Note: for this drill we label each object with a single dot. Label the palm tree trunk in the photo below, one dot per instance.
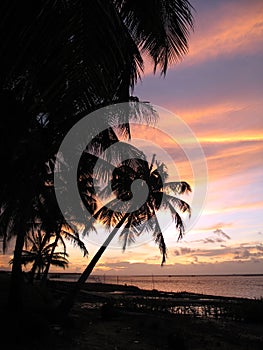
(36, 262)
(15, 297)
(68, 302)
(38, 273)
(44, 277)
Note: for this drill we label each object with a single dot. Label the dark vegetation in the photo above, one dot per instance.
(56, 66)
(125, 317)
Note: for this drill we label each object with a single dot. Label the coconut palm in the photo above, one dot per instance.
(46, 218)
(140, 190)
(40, 248)
(63, 234)
(50, 241)
(41, 254)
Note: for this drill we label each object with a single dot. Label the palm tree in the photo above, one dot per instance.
(140, 190)
(64, 70)
(64, 232)
(47, 220)
(41, 254)
(48, 241)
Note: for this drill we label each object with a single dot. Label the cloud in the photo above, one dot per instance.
(249, 252)
(153, 258)
(215, 253)
(236, 252)
(195, 259)
(192, 259)
(229, 266)
(228, 85)
(218, 235)
(183, 251)
(235, 27)
(236, 207)
(245, 254)
(187, 255)
(216, 226)
(213, 240)
(220, 232)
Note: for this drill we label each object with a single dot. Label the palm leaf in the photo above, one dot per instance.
(127, 234)
(176, 203)
(177, 187)
(178, 221)
(160, 28)
(159, 239)
(75, 239)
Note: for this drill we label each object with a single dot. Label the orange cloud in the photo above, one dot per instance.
(191, 114)
(234, 137)
(231, 161)
(236, 29)
(241, 207)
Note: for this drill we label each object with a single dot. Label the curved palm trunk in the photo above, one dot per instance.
(44, 278)
(68, 302)
(15, 297)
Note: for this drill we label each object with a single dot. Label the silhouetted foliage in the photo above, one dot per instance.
(131, 214)
(57, 64)
(40, 253)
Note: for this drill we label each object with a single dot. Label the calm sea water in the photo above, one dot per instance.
(231, 286)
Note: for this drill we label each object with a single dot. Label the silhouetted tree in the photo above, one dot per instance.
(42, 254)
(57, 64)
(133, 211)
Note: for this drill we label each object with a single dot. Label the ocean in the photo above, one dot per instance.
(242, 286)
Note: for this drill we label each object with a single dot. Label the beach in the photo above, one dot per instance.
(111, 316)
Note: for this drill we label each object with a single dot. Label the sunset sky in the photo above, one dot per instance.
(217, 90)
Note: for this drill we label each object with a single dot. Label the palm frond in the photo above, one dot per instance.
(177, 203)
(110, 214)
(178, 221)
(161, 170)
(26, 258)
(127, 234)
(178, 187)
(160, 28)
(75, 239)
(124, 114)
(60, 260)
(159, 239)
(62, 242)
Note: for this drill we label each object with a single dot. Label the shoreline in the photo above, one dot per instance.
(150, 275)
(196, 305)
(230, 286)
(162, 275)
(101, 287)
(94, 283)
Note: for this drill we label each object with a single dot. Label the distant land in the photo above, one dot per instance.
(149, 275)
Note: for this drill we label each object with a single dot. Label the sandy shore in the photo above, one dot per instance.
(124, 317)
